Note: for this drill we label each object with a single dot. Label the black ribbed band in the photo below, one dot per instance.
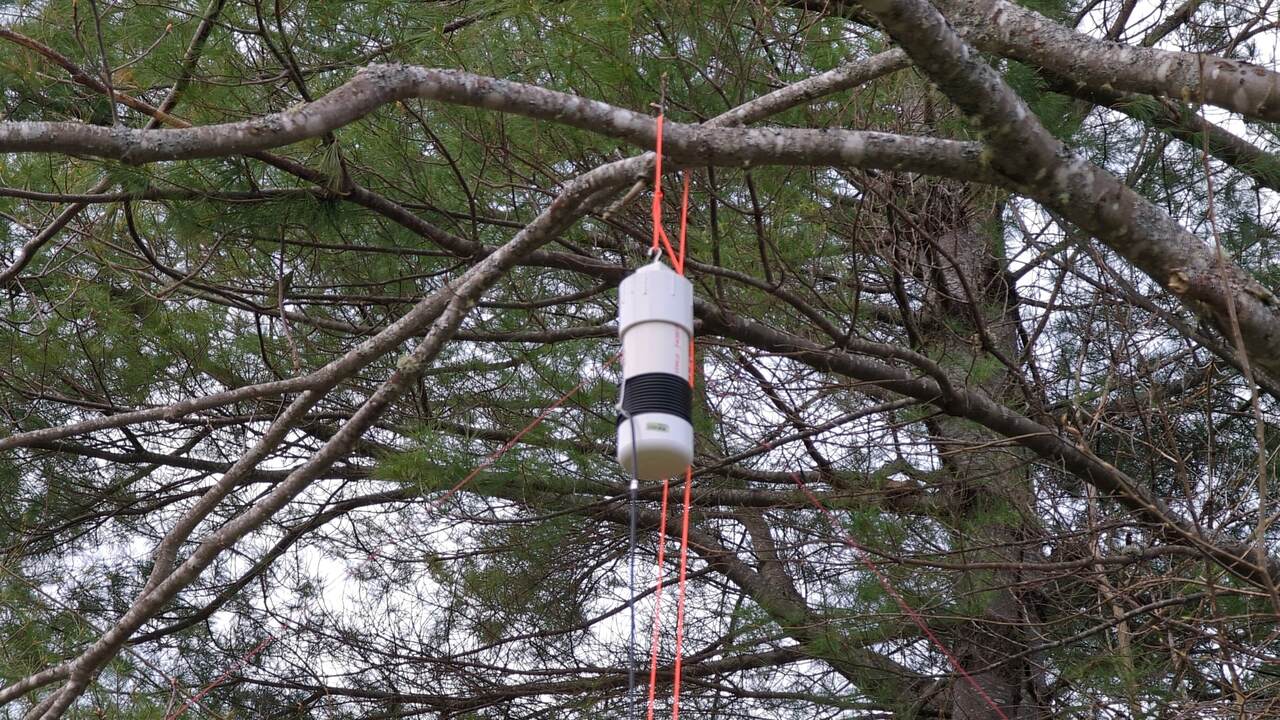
(657, 393)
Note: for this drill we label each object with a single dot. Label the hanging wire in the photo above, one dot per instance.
(633, 493)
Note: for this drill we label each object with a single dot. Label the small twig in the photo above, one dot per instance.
(283, 280)
(1237, 339)
(106, 66)
(626, 200)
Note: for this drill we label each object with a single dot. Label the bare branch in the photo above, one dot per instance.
(1009, 29)
(1088, 196)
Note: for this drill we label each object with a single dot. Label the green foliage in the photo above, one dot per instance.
(533, 585)
(520, 577)
(1060, 10)
(35, 634)
(1060, 115)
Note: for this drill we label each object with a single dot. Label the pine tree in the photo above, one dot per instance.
(286, 284)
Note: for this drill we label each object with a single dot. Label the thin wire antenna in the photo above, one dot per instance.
(633, 493)
(107, 80)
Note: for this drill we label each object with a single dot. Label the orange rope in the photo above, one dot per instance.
(684, 521)
(659, 234)
(657, 600)
(221, 678)
(661, 240)
(684, 565)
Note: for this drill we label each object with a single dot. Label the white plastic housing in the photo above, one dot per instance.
(655, 322)
(664, 445)
(651, 347)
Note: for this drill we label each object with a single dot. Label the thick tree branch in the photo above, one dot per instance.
(1239, 558)
(849, 653)
(606, 682)
(1181, 122)
(378, 85)
(1011, 30)
(840, 78)
(1021, 149)
(458, 298)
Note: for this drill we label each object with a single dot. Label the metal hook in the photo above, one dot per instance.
(655, 256)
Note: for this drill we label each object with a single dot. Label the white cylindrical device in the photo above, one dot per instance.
(655, 322)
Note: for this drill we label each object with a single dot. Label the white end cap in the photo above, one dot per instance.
(655, 293)
(664, 445)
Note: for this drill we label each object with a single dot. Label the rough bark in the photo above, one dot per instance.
(459, 297)
(1008, 29)
(1021, 149)
(378, 85)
